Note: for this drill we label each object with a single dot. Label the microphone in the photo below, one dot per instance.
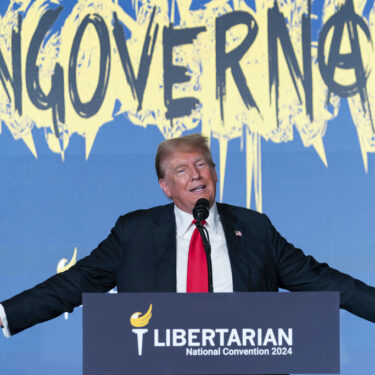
(201, 210)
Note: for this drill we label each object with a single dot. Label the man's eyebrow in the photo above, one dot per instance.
(179, 165)
(184, 163)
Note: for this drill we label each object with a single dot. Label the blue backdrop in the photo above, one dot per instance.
(56, 197)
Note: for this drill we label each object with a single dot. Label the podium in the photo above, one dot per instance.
(211, 333)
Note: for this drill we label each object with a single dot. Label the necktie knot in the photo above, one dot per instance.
(203, 222)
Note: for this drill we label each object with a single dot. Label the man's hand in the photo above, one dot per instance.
(1, 324)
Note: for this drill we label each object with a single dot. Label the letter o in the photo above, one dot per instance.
(91, 107)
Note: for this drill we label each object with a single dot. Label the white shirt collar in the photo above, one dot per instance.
(184, 220)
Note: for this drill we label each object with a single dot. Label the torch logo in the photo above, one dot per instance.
(138, 320)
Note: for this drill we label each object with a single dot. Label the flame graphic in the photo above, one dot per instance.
(139, 320)
(62, 266)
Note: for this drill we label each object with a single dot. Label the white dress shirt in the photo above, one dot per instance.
(4, 319)
(221, 269)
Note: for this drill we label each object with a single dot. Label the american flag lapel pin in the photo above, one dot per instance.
(238, 233)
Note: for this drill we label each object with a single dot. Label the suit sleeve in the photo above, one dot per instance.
(299, 272)
(63, 292)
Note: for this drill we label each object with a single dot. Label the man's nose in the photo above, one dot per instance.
(194, 172)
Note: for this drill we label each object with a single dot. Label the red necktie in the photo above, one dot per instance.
(197, 274)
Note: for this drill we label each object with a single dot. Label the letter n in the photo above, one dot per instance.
(278, 32)
(5, 77)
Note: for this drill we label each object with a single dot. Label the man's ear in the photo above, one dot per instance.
(164, 186)
(215, 174)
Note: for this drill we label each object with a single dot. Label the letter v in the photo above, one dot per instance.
(137, 84)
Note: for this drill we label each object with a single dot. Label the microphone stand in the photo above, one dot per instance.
(207, 248)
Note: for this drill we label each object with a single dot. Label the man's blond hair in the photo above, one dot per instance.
(187, 143)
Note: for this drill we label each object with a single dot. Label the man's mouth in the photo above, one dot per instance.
(197, 189)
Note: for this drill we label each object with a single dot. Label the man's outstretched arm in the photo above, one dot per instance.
(298, 272)
(62, 292)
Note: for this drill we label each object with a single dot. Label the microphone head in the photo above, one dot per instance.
(201, 210)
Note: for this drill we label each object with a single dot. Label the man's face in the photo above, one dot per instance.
(188, 176)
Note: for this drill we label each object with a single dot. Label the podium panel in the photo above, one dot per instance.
(218, 333)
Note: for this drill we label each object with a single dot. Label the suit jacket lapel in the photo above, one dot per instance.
(164, 239)
(235, 243)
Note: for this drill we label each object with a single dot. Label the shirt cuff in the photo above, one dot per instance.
(5, 322)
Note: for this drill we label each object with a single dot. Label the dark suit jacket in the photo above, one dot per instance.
(139, 255)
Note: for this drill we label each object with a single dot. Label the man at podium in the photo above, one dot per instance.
(161, 250)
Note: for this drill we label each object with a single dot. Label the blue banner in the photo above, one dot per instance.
(284, 90)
